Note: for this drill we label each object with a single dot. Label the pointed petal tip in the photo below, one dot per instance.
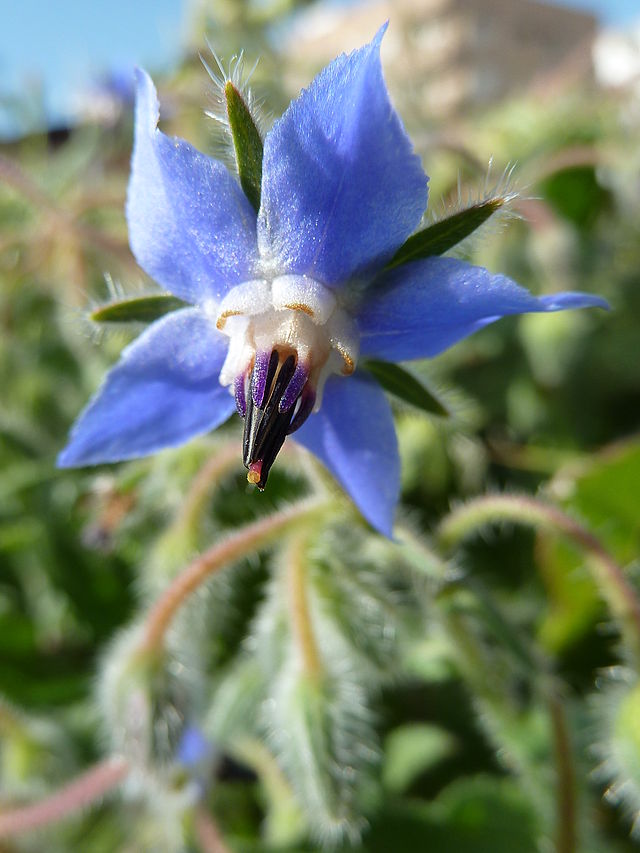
(342, 187)
(422, 308)
(376, 41)
(353, 435)
(139, 74)
(71, 457)
(64, 459)
(178, 199)
(147, 112)
(384, 527)
(573, 299)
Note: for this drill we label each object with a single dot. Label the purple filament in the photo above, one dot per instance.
(240, 395)
(293, 389)
(259, 377)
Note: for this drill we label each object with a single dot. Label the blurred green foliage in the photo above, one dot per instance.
(454, 678)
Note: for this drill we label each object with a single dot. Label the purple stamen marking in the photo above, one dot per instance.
(293, 389)
(240, 395)
(259, 377)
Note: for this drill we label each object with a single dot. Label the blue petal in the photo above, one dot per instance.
(420, 309)
(190, 225)
(163, 391)
(194, 749)
(341, 188)
(354, 436)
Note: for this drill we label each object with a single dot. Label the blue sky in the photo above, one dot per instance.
(615, 12)
(65, 44)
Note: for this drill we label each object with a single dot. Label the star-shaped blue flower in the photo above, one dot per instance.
(287, 300)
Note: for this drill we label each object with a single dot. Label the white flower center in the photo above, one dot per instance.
(292, 314)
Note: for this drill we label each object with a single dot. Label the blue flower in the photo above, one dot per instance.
(286, 301)
(194, 750)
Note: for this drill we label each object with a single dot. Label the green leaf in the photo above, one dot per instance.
(576, 194)
(443, 235)
(413, 749)
(322, 735)
(140, 309)
(372, 611)
(603, 490)
(247, 143)
(480, 814)
(404, 385)
(232, 716)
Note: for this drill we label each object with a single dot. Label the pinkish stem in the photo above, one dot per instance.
(76, 795)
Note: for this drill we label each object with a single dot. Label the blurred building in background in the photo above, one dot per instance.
(617, 58)
(445, 57)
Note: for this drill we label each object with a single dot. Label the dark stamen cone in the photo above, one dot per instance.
(266, 426)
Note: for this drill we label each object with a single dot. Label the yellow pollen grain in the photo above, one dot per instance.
(300, 306)
(222, 319)
(349, 365)
(253, 477)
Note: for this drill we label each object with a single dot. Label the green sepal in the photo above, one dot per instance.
(404, 385)
(247, 144)
(140, 309)
(443, 235)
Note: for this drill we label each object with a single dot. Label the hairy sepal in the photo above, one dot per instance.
(247, 143)
(406, 386)
(440, 236)
(139, 309)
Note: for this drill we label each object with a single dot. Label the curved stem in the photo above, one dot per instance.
(81, 792)
(614, 586)
(301, 621)
(566, 784)
(207, 832)
(215, 468)
(476, 674)
(238, 544)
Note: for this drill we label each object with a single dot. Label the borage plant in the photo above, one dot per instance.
(298, 274)
(295, 287)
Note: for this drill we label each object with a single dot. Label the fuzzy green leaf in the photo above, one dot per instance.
(371, 610)
(441, 236)
(247, 144)
(404, 385)
(322, 735)
(232, 716)
(140, 309)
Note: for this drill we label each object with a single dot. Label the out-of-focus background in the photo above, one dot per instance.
(540, 98)
(54, 57)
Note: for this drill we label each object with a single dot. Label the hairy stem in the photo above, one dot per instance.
(238, 544)
(474, 668)
(215, 468)
(207, 832)
(81, 792)
(566, 840)
(256, 755)
(301, 621)
(614, 586)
